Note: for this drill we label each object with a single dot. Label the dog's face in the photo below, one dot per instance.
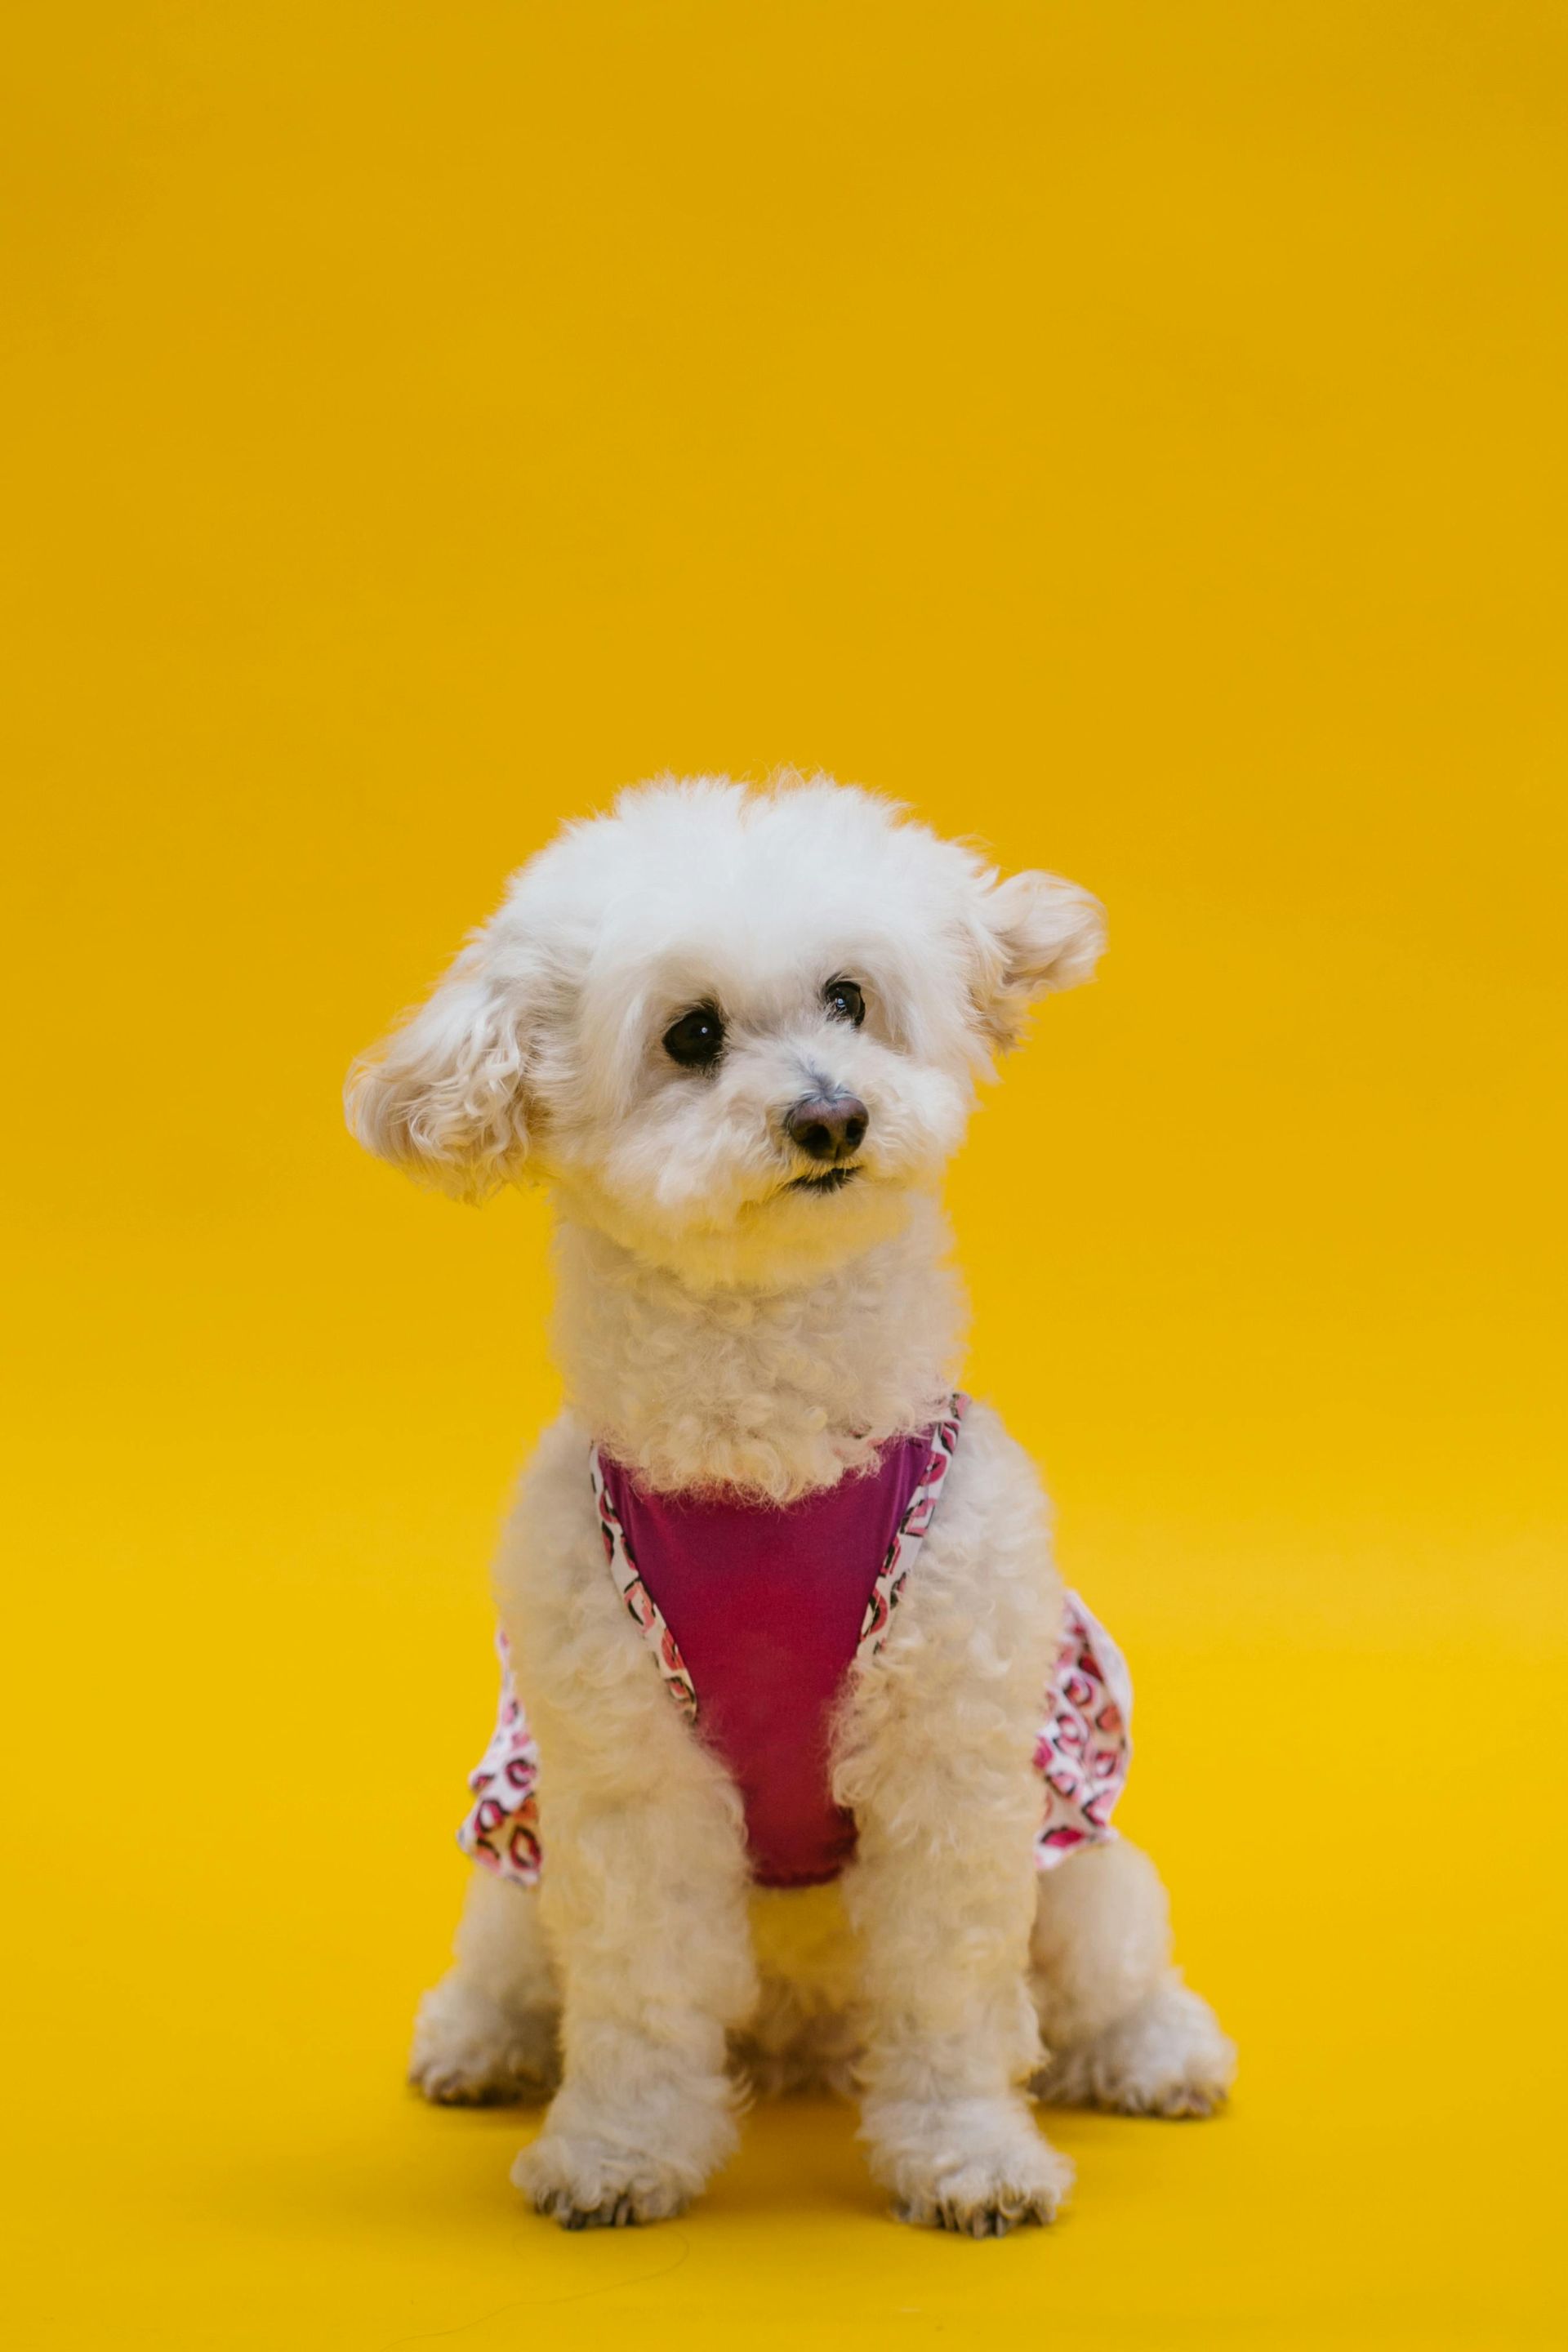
(734, 1029)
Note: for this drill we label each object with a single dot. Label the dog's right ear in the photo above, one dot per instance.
(1041, 934)
(442, 1097)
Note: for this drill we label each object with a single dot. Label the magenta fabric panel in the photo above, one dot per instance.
(766, 1604)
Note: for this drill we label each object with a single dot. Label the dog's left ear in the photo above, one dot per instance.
(1039, 934)
(445, 1095)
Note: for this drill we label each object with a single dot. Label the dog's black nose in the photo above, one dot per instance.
(828, 1127)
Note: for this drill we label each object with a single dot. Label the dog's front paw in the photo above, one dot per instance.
(978, 2166)
(585, 2184)
(469, 2052)
(1166, 2057)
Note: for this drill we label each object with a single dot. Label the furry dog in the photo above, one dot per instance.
(737, 1033)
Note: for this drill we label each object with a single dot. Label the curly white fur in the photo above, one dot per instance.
(720, 1323)
(773, 1390)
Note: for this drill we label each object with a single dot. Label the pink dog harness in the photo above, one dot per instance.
(755, 1613)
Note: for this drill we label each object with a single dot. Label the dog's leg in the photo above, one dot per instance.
(485, 2034)
(645, 1896)
(1124, 2031)
(951, 2036)
(934, 1758)
(644, 1880)
(950, 2032)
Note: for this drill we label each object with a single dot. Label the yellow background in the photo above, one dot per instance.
(1129, 432)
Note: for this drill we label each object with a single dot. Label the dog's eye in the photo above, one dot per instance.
(844, 1001)
(697, 1039)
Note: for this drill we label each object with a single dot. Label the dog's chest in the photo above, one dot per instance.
(760, 1611)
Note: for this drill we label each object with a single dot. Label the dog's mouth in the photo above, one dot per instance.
(831, 1180)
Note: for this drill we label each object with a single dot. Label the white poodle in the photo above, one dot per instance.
(805, 1773)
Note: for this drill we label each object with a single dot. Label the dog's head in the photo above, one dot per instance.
(735, 1029)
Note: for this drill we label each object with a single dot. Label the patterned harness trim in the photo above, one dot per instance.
(1081, 1753)
(645, 1612)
